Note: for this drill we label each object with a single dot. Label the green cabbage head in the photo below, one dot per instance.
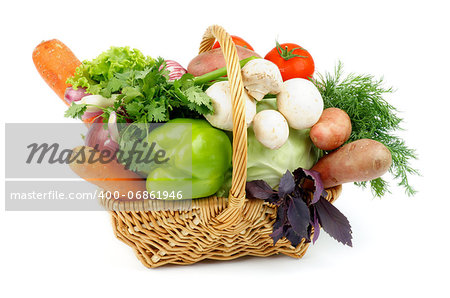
(269, 165)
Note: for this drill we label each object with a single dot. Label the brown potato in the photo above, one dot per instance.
(212, 60)
(361, 160)
(332, 130)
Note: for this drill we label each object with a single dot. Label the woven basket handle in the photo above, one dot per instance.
(237, 192)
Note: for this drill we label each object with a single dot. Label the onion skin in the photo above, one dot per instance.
(96, 135)
(99, 138)
(96, 102)
(71, 95)
(90, 115)
(112, 126)
(176, 71)
(111, 145)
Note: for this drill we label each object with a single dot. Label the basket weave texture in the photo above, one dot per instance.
(211, 228)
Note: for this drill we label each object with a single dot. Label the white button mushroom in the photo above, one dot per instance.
(261, 77)
(300, 103)
(222, 118)
(271, 129)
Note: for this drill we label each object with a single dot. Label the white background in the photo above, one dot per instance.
(400, 244)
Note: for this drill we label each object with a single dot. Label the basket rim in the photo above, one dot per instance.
(148, 205)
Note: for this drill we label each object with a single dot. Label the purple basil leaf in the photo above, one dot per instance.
(298, 193)
(258, 189)
(293, 237)
(281, 217)
(316, 226)
(277, 234)
(315, 176)
(309, 233)
(274, 199)
(280, 224)
(334, 222)
(299, 174)
(287, 185)
(299, 216)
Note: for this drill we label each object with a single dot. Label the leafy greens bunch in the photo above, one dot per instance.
(361, 96)
(298, 212)
(144, 92)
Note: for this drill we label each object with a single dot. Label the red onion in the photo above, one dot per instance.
(89, 115)
(112, 126)
(98, 137)
(72, 95)
(111, 145)
(175, 69)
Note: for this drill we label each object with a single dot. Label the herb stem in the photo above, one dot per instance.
(216, 74)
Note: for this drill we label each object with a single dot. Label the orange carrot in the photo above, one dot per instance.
(55, 62)
(110, 176)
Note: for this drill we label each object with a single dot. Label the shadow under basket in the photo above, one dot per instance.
(217, 228)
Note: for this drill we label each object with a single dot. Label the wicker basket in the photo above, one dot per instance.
(210, 228)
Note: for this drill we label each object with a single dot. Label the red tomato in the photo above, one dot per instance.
(292, 60)
(237, 41)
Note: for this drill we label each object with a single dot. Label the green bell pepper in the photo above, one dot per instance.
(199, 157)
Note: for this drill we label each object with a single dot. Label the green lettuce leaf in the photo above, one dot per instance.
(98, 74)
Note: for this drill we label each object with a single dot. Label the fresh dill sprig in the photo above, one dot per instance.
(372, 117)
